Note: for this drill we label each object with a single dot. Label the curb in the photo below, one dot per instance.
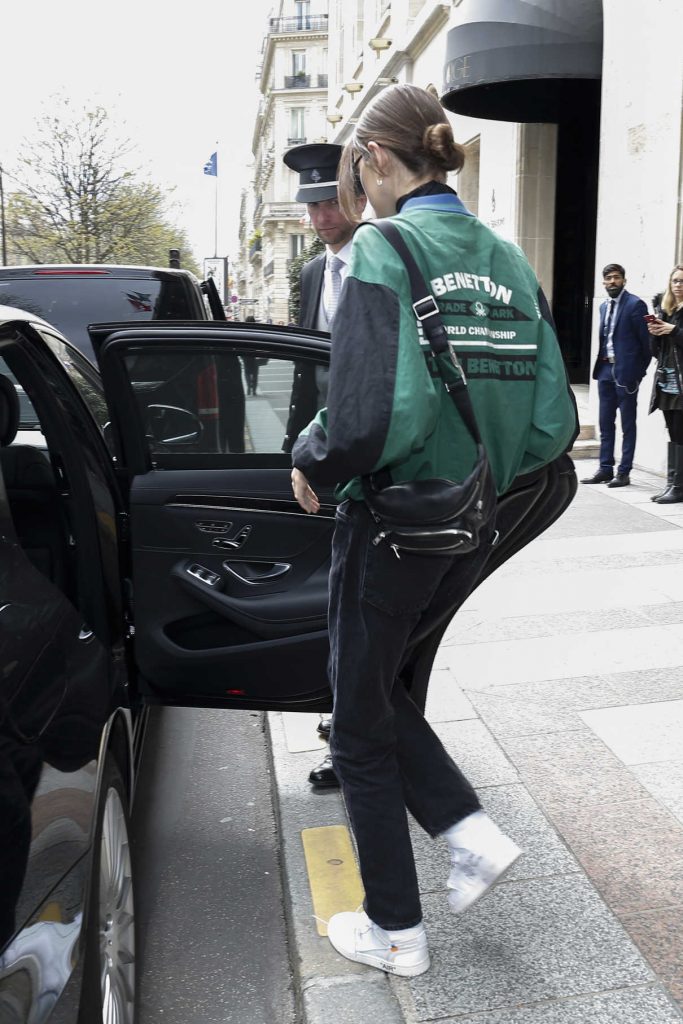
(327, 987)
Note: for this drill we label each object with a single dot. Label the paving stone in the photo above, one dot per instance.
(640, 733)
(638, 685)
(526, 942)
(518, 816)
(659, 937)
(631, 1006)
(632, 850)
(545, 706)
(446, 702)
(476, 753)
(665, 782)
(471, 627)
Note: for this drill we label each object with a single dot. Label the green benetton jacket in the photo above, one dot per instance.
(386, 409)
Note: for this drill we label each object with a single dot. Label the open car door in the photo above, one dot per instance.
(229, 575)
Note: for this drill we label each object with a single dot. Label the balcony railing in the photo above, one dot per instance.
(297, 81)
(291, 141)
(254, 248)
(304, 23)
(322, 81)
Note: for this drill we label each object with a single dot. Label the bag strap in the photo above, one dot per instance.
(427, 312)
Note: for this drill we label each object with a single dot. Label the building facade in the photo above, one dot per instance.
(292, 111)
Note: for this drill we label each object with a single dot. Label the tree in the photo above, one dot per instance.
(295, 267)
(77, 203)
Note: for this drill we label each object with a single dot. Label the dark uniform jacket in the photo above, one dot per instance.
(304, 400)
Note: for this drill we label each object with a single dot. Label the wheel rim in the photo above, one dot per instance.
(116, 916)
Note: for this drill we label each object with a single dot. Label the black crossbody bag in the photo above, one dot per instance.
(436, 516)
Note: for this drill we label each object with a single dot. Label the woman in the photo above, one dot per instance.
(387, 412)
(667, 392)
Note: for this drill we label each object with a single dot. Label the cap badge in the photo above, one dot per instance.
(315, 175)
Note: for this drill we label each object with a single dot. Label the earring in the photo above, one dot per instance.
(380, 181)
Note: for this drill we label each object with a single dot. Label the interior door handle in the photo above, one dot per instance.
(257, 572)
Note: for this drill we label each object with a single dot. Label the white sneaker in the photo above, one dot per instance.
(403, 952)
(480, 856)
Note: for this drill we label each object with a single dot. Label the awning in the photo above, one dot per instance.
(523, 60)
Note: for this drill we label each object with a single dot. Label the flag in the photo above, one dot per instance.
(211, 165)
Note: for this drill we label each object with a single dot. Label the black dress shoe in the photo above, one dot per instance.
(324, 776)
(324, 726)
(603, 476)
(620, 480)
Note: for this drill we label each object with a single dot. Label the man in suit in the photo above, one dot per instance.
(321, 281)
(621, 364)
(323, 276)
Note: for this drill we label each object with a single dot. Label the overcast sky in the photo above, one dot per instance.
(175, 79)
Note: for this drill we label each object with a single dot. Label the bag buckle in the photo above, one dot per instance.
(430, 306)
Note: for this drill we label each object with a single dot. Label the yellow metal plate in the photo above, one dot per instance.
(332, 872)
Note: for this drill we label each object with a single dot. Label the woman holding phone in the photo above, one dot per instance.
(667, 394)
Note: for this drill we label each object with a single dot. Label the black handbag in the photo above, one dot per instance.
(436, 516)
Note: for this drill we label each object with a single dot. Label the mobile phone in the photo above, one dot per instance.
(650, 319)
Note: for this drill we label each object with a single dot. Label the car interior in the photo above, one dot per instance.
(33, 495)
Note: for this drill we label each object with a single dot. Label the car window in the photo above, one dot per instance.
(223, 403)
(71, 303)
(83, 374)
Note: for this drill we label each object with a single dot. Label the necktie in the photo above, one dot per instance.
(334, 264)
(609, 347)
(608, 318)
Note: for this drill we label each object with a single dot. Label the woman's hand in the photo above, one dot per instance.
(659, 328)
(304, 493)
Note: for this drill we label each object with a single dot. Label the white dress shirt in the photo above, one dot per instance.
(344, 255)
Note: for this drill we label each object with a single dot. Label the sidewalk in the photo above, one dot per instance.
(559, 690)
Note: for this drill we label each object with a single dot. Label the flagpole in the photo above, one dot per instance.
(215, 217)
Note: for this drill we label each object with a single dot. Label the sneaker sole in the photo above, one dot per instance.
(474, 896)
(383, 965)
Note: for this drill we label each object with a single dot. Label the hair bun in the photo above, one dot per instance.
(439, 143)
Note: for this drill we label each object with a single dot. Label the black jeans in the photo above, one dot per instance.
(386, 755)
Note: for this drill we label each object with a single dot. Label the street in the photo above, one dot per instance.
(212, 938)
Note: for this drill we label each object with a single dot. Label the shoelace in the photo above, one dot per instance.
(464, 860)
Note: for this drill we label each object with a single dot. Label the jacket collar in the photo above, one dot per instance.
(448, 202)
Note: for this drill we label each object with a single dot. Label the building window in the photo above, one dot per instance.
(298, 62)
(303, 13)
(296, 245)
(297, 126)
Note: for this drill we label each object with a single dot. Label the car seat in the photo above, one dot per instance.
(33, 496)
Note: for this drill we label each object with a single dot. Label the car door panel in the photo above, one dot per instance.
(226, 627)
(229, 574)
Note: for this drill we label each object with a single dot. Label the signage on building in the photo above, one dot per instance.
(217, 268)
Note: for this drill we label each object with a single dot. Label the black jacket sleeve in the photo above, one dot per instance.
(364, 358)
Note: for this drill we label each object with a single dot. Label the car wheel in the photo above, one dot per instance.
(109, 969)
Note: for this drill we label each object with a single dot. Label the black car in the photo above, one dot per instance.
(73, 296)
(140, 565)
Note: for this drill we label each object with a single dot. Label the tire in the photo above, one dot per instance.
(109, 972)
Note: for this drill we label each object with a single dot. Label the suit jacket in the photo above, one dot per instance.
(631, 340)
(304, 400)
(312, 274)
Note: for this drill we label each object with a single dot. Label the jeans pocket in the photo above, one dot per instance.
(401, 586)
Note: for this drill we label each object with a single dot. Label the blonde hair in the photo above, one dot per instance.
(669, 303)
(411, 123)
